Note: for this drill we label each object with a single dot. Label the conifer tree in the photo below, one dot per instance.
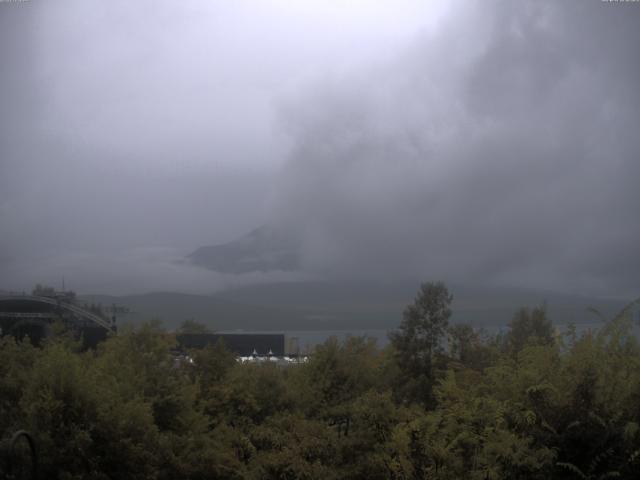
(419, 339)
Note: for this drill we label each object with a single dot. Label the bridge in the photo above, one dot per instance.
(54, 307)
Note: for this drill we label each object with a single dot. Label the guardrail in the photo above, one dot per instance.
(58, 303)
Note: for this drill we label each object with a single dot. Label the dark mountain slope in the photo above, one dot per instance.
(263, 249)
(335, 306)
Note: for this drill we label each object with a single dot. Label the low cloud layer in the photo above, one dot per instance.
(484, 142)
(503, 149)
(129, 271)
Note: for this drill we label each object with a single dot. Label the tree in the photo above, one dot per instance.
(529, 327)
(419, 338)
(462, 338)
(339, 372)
(193, 326)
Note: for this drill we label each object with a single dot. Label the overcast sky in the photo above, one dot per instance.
(482, 142)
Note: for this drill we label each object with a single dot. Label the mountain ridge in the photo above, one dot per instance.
(342, 306)
(263, 249)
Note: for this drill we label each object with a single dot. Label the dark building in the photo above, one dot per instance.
(242, 344)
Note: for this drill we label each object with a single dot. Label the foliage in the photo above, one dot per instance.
(193, 326)
(419, 339)
(529, 327)
(529, 406)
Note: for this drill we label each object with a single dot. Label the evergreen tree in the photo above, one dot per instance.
(529, 327)
(419, 339)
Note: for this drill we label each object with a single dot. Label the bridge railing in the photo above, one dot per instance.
(65, 305)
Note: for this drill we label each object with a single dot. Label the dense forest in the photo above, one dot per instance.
(441, 401)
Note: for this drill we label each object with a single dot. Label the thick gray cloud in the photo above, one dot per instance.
(150, 126)
(501, 149)
(491, 142)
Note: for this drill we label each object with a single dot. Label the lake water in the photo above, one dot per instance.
(307, 339)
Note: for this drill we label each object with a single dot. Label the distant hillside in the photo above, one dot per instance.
(380, 305)
(337, 306)
(263, 249)
(327, 305)
(173, 308)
